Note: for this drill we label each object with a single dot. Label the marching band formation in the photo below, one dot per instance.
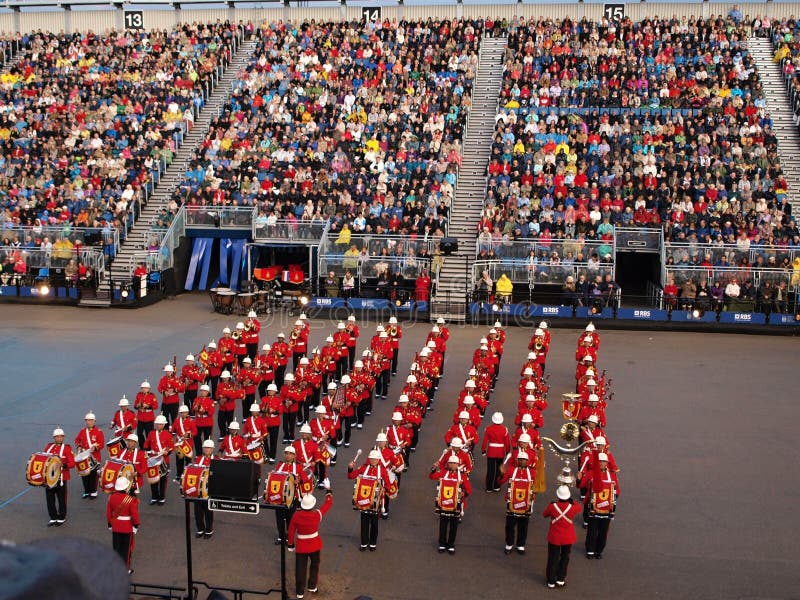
(313, 408)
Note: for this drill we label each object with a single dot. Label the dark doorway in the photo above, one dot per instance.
(634, 271)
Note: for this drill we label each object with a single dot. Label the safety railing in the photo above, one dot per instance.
(36, 264)
(570, 249)
(219, 217)
(107, 238)
(288, 231)
(638, 239)
(757, 255)
(379, 244)
(532, 273)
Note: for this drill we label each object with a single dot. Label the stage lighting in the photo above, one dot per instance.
(303, 300)
(697, 313)
(44, 289)
(124, 293)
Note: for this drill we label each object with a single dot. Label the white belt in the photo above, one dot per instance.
(496, 445)
(308, 536)
(123, 518)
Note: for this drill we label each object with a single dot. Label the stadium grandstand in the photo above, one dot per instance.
(456, 160)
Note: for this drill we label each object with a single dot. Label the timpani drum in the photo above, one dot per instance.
(226, 298)
(43, 469)
(245, 302)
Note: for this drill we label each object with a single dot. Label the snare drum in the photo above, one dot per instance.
(367, 493)
(280, 490)
(194, 482)
(255, 452)
(85, 463)
(184, 449)
(448, 497)
(394, 486)
(115, 446)
(520, 497)
(156, 469)
(43, 469)
(113, 469)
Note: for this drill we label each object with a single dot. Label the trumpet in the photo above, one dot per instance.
(393, 331)
(249, 325)
(538, 345)
(236, 335)
(294, 335)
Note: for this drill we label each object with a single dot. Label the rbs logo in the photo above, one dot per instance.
(550, 310)
(323, 301)
(742, 317)
(641, 314)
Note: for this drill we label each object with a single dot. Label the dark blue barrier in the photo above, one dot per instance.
(8, 290)
(585, 312)
(778, 319)
(507, 310)
(368, 303)
(410, 305)
(743, 317)
(685, 316)
(550, 311)
(326, 303)
(642, 314)
(74, 293)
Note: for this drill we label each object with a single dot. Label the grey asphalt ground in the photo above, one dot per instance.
(703, 427)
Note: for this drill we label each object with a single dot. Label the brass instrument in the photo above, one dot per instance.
(393, 331)
(538, 346)
(294, 335)
(249, 325)
(236, 335)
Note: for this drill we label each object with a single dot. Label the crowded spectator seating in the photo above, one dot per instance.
(343, 125)
(785, 36)
(648, 124)
(88, 122)
(62, 266)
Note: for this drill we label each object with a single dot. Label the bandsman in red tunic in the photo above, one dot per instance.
(602, 491)
(272, 407)
(496, 444)
(448, 522)
(456, 448)
(252, 328)
(170, 388)
(146, 405)
(304, 527)
(373, 469)
(137, 457)
(519, 478)
(159, 442)
(123, 421)
(184, 429)
(192, 377)
(249, 378)
(90, 438)
(560, 535)
(122, 516)
(232, 446)
(56, 496)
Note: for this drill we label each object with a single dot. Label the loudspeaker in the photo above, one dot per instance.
(448, 245)
(234, 480)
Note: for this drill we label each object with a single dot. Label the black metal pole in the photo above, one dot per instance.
(189, 578)
(284, 593)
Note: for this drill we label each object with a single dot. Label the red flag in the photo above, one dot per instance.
(294, 276)
(267, 273)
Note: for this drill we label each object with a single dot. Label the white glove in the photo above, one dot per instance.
(135, 530)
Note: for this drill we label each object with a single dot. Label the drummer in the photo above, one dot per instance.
(289, 465)
(90, 439)
(233, 446)
(393, 462)
(183, 428)
(369, 518)
(204, 516)
(132, 454)
(159, 443)
(57, 495)
(255, 426)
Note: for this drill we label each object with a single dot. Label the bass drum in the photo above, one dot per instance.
(194, 482)
(280, 490)
(112, 470)
(367, 493)
(43, 469)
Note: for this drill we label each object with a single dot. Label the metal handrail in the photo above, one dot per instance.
(224, 217)
(109, 238)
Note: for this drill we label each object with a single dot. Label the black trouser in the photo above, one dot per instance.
(557, 562)
(369, 528)
(351, 354)
(382, 384)
(203, 517)
(395, 354)
(262, 388)
(272, 441)
(492, 473)
(122, 546)
(596, 534)
(347, 423)
(415, 436)
(224, 417)
(171, 412)
(321, 471)
(289, 421)
(143, 429)
(280, 371)
(252, 350)
(90, 482)
(249, 399)
(282, 519)
(301, 568)
(305, 409)
(57, 501)
(448, 528)
(341, 367)
(158, 490)
(520, 524)
(180, 465)
(203, 434)
(361, 411)
(190, 395)
(296, 356)
(213, 382)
